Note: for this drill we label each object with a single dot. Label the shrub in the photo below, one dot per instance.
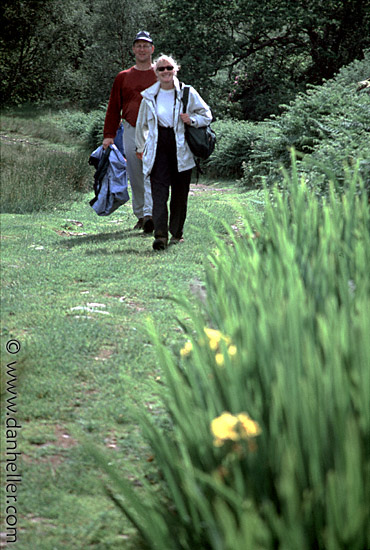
(328, 126)
(270, 438)
(234, 142)
(75, 123)
(233, 147)
(94, 134)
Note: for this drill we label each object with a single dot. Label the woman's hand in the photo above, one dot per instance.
(185, 118)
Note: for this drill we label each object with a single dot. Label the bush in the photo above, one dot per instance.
(233, 147)
(94, 134)
(270, 439)
(329, 128)
(75, 123)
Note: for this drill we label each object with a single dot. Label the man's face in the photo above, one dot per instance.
(143, 51)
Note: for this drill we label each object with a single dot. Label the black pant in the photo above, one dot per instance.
(164, 176)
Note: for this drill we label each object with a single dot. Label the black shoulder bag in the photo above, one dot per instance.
(200, 140)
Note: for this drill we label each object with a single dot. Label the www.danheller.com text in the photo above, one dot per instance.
(12, 426)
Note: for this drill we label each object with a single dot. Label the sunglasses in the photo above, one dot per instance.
(168, 67)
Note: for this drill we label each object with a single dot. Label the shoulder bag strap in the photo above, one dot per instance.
(185, 98)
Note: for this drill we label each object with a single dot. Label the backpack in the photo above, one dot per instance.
(201, 140)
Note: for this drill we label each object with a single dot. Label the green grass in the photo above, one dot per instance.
(291, 304)
(89, 370)
(43, 159)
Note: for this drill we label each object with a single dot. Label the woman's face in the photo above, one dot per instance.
(165, 72)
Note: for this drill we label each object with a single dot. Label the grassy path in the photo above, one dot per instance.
(77, 291)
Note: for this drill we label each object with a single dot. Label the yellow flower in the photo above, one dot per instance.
(212, 333)
(228, 427)
(223, 428)
(232, 350)
(215, 337)
(187, 349)
(220, 360)
(250, 428)
(213, 344)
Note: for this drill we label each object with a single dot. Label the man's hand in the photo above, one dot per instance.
(139, 155)
(107, 142)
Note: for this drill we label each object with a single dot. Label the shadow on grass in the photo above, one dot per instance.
(71, 241)
(121, 251)
(99, 238)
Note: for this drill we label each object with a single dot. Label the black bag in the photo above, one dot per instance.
(201, 140)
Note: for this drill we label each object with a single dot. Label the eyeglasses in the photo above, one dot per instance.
(142, 46)
(167, 67)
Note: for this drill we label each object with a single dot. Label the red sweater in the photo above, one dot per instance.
(125, 98)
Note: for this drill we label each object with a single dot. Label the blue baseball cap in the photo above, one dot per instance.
(143, 35)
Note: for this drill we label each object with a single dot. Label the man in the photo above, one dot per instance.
(124, 103)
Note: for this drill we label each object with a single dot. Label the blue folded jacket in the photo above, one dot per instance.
(110, 185)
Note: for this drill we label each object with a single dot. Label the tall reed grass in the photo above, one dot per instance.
(34, 178)
(268, 440)
(44, 157)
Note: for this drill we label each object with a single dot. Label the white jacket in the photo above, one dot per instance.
(147, 125)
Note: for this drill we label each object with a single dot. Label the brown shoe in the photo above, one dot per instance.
(173, 240)
(160, 243)
(139, 224)
(148, 224)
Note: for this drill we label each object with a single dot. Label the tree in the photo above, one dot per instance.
(66, 50)
(275, 47)
(113, 27)
(39, 41)
(246, 57)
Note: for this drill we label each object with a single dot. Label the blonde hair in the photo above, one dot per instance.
(169, 60)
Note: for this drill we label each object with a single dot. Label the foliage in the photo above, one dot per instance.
(113, 25)
(45, 168)
(274, 48)
(76, 290)
(245, 57)
(70, 50)
(41, 43)
(86, 127)
(328, 126)
(37, 179)
(94, 136)
(234, 145)
(281, 381)
(75, 123)
(42, 169)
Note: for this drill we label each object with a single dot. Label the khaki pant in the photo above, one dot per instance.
(141, 194)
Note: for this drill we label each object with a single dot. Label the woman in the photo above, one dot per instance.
(161, 144)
